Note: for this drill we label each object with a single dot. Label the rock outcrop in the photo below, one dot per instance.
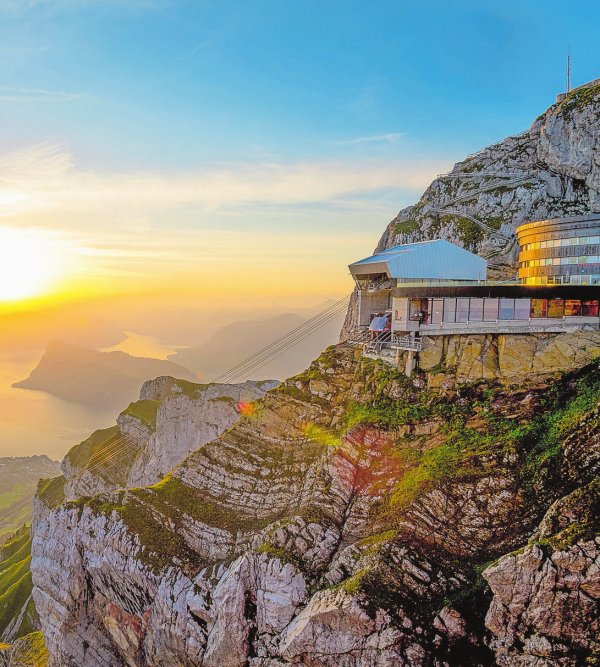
(345, 521)
(172, 419)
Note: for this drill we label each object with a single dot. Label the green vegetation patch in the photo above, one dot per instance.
(161, 544)
(189, 389)
(144, 410)
(407, 227)
(15, 545)
(583, 508)
(51, 492)
(460, 456)
(14, 600)
(82, 453)
(577, 101)
(30, 651)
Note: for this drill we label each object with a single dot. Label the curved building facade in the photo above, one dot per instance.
(560, 251)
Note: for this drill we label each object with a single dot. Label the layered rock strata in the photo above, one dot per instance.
(345, 521)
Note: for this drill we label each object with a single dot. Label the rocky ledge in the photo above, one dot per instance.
(353, 517)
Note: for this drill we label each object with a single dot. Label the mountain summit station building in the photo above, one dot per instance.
(435, 288)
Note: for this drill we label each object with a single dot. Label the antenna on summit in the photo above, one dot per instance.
(569, 71)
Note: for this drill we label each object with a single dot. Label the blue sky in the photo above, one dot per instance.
(294, 120)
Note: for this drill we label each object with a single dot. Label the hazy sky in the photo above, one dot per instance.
(251, 145)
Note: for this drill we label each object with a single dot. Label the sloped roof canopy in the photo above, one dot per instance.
(429, 260)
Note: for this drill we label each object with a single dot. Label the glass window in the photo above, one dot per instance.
(522, 308)
(462, 310)
(572, 307)
(548, 261)
(476, 310)
(572, 260)
(543, 244)
(556, 307)
(594, 239)
(564, 260)
(583, 240)
(538, 307)
(435, 311)
(575, 280)
(449, 310)
(592, 259)
(507, 309)
(574, 241)
(589, 308)
(556, 261)
(582, 259)
(490, 310)
(556, 243)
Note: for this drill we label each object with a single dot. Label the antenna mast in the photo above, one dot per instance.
(569, 71)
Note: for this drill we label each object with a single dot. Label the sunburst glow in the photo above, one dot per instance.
(27, 264)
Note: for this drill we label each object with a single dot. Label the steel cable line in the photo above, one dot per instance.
(284, 347)
(8, 515)
(9, 510)
(289, 334)
(281, 349)
(265, 354)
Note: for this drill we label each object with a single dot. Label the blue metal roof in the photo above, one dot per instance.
(432, 260)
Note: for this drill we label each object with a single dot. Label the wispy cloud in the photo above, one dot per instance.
(390, 137)
(46, 176)
(8, 94)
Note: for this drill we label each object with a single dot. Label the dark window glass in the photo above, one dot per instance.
(522, 309)
(449, 310)
(589, 308)
(507, 309)
(490, 310)
(462, 310)
(476, 310)
(556, 308)
(572, 307)
(538, 307)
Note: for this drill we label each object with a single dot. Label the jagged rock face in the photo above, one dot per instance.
(545, 609)
(152, 447)
(295, 539)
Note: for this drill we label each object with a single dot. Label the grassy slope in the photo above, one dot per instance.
(15, 584)
(30, 651)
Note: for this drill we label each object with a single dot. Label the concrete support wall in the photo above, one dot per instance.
(371, 302)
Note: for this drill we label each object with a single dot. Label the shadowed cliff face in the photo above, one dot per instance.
(345, 520)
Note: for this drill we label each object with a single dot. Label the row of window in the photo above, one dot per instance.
(560, 261)
(459, 310)
(561, 280)
(557, 243)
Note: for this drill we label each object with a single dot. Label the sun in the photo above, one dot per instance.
(27, 263)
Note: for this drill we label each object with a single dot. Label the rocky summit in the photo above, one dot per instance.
(353, 517)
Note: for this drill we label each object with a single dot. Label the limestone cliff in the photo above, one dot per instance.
(551, 170)
(172, 419)
(346, 521)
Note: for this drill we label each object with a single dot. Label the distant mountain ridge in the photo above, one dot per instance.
(238, 341)
(88, 376)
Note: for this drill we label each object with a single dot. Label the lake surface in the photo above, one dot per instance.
(143, 346)
(32, 422)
